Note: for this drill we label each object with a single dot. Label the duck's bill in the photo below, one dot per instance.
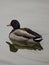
(9, 25)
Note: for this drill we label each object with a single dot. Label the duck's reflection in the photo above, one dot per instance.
(31, 46)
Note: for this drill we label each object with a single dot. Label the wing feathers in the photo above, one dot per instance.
(23, 33)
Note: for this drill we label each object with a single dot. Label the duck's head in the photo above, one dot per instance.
(15, 24)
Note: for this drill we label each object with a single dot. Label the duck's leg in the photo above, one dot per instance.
(12, 48)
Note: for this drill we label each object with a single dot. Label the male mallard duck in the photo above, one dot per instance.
(22, 35)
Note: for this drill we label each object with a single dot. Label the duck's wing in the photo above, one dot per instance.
(24, 33)
(31, 32)
(37, 37)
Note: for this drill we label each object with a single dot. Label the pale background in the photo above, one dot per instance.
(33, 14)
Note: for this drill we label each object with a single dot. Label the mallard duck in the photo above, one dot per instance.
(22, 35)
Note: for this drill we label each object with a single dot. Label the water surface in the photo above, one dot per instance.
(33, 14)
